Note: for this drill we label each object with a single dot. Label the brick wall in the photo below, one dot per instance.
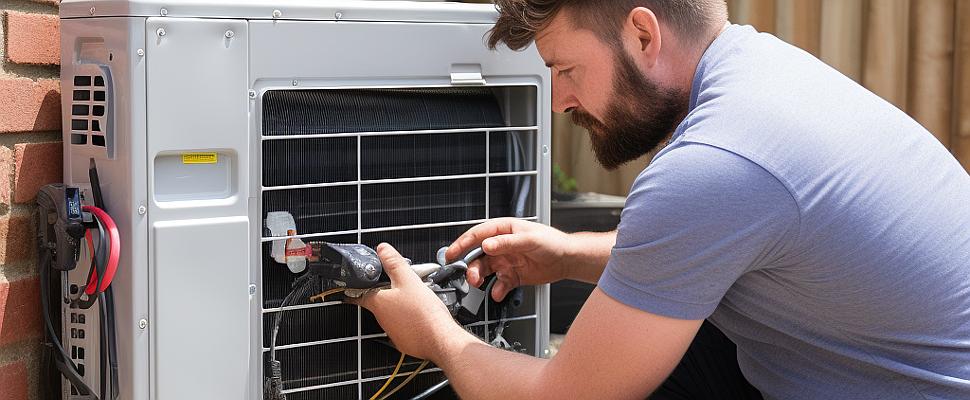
(30, 157)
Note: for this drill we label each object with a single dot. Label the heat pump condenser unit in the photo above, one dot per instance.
(366, 121)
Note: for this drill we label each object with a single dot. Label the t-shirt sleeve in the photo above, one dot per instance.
(696, 220)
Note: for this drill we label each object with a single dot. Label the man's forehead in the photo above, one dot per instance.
(557, 25)
(560, 42)
(551, 39)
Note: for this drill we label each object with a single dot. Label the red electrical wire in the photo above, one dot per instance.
(91, 251)
(87, 234)
(114, 252)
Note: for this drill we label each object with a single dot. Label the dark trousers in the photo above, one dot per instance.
(709, 370)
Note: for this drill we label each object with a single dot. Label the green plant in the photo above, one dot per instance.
(564, 182)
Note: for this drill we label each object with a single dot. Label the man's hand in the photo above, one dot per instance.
(413, 317)
(519, 253)
(527, 253)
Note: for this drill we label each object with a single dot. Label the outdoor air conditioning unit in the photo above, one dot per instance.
(367, 121)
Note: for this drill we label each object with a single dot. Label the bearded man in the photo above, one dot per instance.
(822, 230)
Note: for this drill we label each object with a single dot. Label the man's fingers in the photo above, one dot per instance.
(509, 244)
(500, 289)
(506, 281)
(395, 266)
(474, 236)
(477, 271)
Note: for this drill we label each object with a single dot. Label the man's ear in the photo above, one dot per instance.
(643, 30)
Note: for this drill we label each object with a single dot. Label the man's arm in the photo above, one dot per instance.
(612, 350)
(591, 252)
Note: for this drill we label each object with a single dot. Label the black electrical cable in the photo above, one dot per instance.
(98, 263)
(95, 184)
(112, 342)
(273, 388)
(108, 298)
(66, 365)
(104, 248)
(103, 344)
(431, 390)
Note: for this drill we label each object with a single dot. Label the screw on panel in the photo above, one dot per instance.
(230, 34)
(143, 323)
(142, 210)
(338, 15)
(160, 32)
(252, 94)
(163, 12)
(252, 289)
(545, 150)
(140, 52)
(277, 13)
(296, 82)
(92, 10)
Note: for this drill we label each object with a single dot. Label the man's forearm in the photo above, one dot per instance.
(589, 253)
(479, 371)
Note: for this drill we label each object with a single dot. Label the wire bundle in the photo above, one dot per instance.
(105, 256)
(104, 263)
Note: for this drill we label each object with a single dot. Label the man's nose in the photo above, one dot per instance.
(563, 97)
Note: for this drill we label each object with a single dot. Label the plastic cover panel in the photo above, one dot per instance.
(359, 166)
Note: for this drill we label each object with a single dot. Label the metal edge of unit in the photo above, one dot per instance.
(340, 10)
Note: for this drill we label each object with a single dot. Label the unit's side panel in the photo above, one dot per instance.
(103, 108)
(198, 160)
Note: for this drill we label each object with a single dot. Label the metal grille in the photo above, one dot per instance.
(88, 111)
(411, 167)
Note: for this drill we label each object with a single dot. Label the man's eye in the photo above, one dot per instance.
(565, 72)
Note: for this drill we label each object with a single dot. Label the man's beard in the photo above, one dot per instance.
(638, 118)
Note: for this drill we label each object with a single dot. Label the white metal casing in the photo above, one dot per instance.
(191, 80)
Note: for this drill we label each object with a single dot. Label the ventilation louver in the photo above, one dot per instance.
(88, 111)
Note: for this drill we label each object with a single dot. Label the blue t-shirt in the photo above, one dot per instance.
(822, 229)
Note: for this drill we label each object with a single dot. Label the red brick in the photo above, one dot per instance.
(33, 38)
(13, 381)
(29, 105)
(17, 241)
(6, 167)
(37, 164)
(19, 310)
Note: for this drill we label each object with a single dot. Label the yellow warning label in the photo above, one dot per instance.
(200, 158)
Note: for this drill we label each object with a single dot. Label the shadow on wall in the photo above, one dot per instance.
(50, 105)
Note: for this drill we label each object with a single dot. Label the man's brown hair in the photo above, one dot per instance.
(520, 20)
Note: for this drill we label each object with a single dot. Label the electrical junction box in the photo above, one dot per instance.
(367, 121)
